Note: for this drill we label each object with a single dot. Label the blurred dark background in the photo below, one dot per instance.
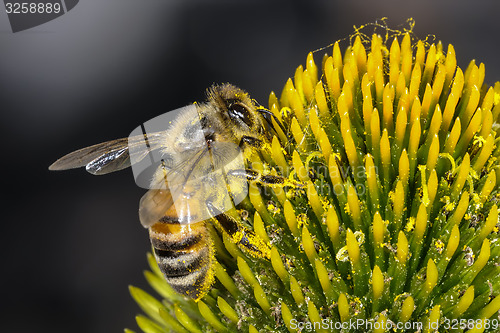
(70, 242)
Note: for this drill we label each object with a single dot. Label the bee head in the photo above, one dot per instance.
(236, 109)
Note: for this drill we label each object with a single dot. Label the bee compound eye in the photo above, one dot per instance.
(240, 113)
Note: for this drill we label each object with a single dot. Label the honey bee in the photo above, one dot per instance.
(199, 175)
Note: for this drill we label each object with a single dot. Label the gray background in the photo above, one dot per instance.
(71, 243)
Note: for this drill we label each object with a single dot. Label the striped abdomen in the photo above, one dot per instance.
(184, 253)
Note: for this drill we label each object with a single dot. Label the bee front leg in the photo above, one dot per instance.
(266, 180)
(245, 238)
(251, 141)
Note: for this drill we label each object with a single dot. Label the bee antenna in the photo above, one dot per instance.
(269, 114)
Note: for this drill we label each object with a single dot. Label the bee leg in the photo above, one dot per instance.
(251, 141)
(245, 238)
(266, 180)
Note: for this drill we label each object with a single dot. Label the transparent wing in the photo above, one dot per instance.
(112, 155)
(198, 164)
(166, 190)
(154, 204)
(181, 191)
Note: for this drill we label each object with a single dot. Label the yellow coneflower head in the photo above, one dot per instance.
(397, 221)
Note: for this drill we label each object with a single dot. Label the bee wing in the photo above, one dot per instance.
(110, 156)
(155, 203)
(153, 206)
(188, 185)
